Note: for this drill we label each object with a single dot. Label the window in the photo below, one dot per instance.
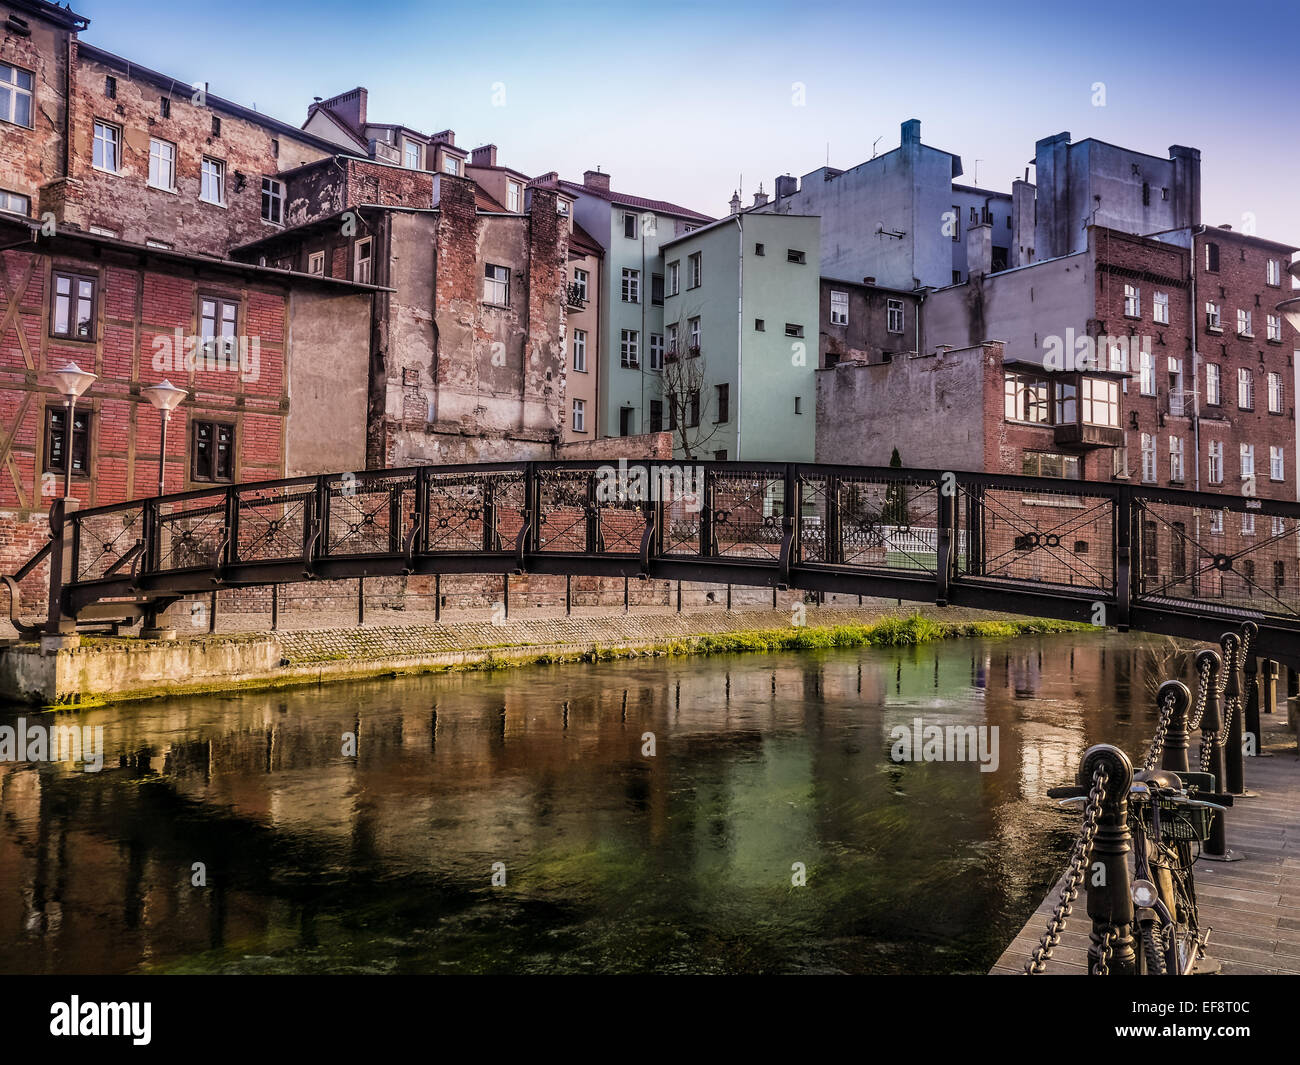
(102, 231)
(1146, 373)
(1119, 456)
(1215, 471)
(1213, 384)
(672, 340)
(760, 325)
(362, 261)
(696, 272)
(793, 255)
(1132, 301)
(72, 315)
(1178, 405)
(110, 87)
(108, 145)
(151, 243)
(1278, 525)
(164, 107)
(1276, 464)
(275, 147)
(212, 187)
(693, 334)
(656, 351)
(16, 95)
(1216, 521)
(1243, 323)
(629, 225)
(1247, 463)
(579, 415)
(1275, 396)
(1212, 258)
(217, 324)
(1160, 308)
(723, 400)
(216, 126)
(412, 152)
(839, 308)
(792, 330)
(580, 350)
(162, 165)
(894, 316)
(316, 263)
(57, 449)
(798, 404)
(625, 422)
(212, 452)
(580, 281)
(693, 409)
(629, 349)
(1025, 399)
(1212, 319)
(1245, 389)
(1101, 402)
(1148, 458)
(12, 203)
(656, 416)
(1176, 454)
(514, 199)
(496, 285)
(631, 286)
(1274, 324)
(956, 220)
(720, 456)
(760, 249)
(1273, 274)
(657, 290)
(451, 165)
(1049, 464)
(272, 201)
(1146, 194)
(1248, 529)
(674, 278)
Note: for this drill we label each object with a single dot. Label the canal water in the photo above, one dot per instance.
(734, 814)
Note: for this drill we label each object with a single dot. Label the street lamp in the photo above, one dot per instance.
(166, 397)
(72, 382)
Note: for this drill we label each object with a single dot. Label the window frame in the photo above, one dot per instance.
(73, 298)
(161, 142)
(500, 285)
(277, 198)
(630, 286)
(580, 351)
(839, 307)
(96, 140)
(895, 307)
(18, 91)
(6, 196)
(629, 349)
(70, 436)
(579, 415)
(210, 163)
(695, 264)
(215, 424)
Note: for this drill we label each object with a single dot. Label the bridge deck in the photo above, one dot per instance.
(1252, 905)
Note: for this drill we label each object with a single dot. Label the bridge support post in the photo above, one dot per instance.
(1212, 752)
(361, 600)
(1124, 573)
(625, 595)
(1110, 899)
(1253, 694)
(62, 567)
(943, 547)
(437, 597)
(1269, 689)
(505, 593)
(679, 597)
(212, 613)
(568, 595)
(1234, 704)
(275, 607)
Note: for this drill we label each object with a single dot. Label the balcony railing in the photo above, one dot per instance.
(576, 297)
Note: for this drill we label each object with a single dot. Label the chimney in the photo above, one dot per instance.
(551, 177)
(594, 179)
(1187, 185)
(786, 186)
(484, 156)
(979, 249)
(911, 132)
(734, 203)
(760, 197)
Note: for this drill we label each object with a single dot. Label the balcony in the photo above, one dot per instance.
(576, 297)
(1083, 435)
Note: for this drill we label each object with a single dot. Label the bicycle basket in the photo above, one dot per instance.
(1178, 821)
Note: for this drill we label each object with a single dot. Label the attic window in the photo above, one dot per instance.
(795, 256)
(110, 87)
(164, 107)
(216, 126)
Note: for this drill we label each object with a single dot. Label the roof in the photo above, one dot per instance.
(171, 255)
(56, 13)
(581, 240)
(484, 202)
(169, 83)
(622, 198)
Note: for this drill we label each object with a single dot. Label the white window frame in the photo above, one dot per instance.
(107, 135)
(1247, 454)
(212, 171)
(1245, 327)
(629, 349)
(674, 278)
(363, 252)
(1216, 522)
(579, 415)
(1177, 465)
(496, 285)
(1245, 388)
(1215, 463)
(1213, 317)
(1213, 384)
(451, 165)
(1146, 373)
(1273, 272)
(895, 316)
(1132, 301)
(162, 165)
(580, 279)
(580, 350)
(656, 351)
(693, 334)
(1248, 524)
(408, 147)
(14, 203)
(316, 263)
(630, 290)
(20, 84)
(1274, 326)
(514, 196)
(1150, 458)
(275, 191)
(1276, 463)
(839, 307)
(696, 264)
(1276, 399)
(1160, 308)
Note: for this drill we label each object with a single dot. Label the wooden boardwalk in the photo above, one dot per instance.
(1253, 905)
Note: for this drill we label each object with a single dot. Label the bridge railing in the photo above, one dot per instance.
(1046, 544)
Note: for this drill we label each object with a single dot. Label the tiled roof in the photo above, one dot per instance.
(660, 206)
(581, 240)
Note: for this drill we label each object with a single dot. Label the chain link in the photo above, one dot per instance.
(1202, 695)
(1162, 728)
(1105, 953)
(1074, 875)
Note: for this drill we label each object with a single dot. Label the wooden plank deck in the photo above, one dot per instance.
(1253, 905)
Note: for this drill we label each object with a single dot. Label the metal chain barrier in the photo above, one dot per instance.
(1202, 696)
(1162, 728)
(1079, 857)
(1103, 957)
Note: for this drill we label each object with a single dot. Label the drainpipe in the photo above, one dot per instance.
(1196, 361)
(740, 324)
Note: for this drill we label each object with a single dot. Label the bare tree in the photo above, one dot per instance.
(686, 394)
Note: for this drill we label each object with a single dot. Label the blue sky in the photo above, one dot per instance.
(678, 100)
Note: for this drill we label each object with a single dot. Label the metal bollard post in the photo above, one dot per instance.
(1251, 724)
(1110, 898)
(1269, 691)
(1174, 755)
(1233, 705)
(1212, 759)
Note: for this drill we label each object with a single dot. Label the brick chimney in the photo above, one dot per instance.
(484, 156)
(594, 179)
(786, 186)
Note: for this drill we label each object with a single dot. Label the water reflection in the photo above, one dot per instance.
(613, 861)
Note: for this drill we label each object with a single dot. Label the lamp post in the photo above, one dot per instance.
(72, 382)
(166, 397)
